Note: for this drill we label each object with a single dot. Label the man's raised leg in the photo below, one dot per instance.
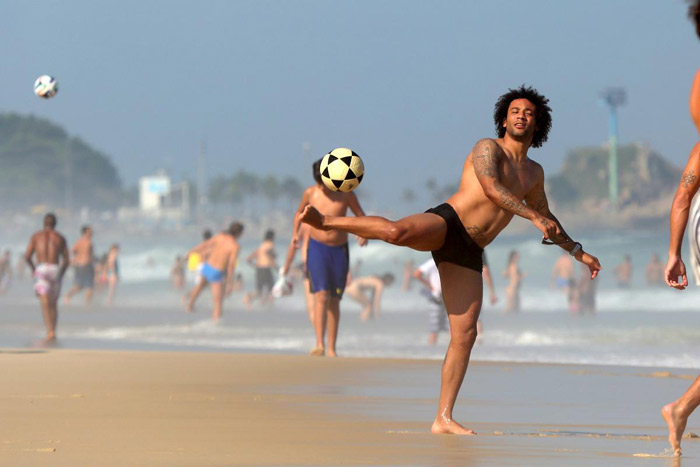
(462, 293)
(423, 232)
(676, 415)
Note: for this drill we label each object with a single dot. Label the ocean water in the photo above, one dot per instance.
(639, 326)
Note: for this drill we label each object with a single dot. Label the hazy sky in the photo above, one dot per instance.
(408, 85)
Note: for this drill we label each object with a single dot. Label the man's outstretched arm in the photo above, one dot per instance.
(537, 200)
(680, 211)
(486, 156)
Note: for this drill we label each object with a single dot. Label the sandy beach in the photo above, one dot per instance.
(87, 407)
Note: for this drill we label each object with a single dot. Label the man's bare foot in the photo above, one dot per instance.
(318, 351)
(366, 313)
(676, 426)
(311, 216)
(48, 341)
(331, 353)
(449, 427)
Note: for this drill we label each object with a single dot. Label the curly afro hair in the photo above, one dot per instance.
(543, 117)
(694, 14)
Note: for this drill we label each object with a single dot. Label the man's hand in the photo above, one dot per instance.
(361, 241)
(548, 228)
(674, 268)
(590, 261)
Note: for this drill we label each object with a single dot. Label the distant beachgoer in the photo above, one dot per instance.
(5, 271)
(327, 258)
(177, 273)
(49, 247)
(101, 274)
(488, 280)
(367, 291)
(112, 270)
(196, 262)
(237, 284)
(264, 259)
(676, 413)
(498, 181)
(515, 278)
(300, 243)
(218, 270)
(563, 277)
(83, 269)
(655, 273)
(20, 268)
(408, 269)
(623, 273)
(428, 274)
(584, 293)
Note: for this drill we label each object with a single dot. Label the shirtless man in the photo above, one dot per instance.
(112, 270)
(623, 273)
(264, 260)
(676, 413)
(223, 254)
(5, 271)
(564, 278)
(49, 247)
(655, 272)
(497, 177)
(83, 258)
(515, 278)
(367, 291)
(327, 259)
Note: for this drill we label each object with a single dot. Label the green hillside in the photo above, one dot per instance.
(37, 158)
(643, 176)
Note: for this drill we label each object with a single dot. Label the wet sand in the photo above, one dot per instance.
(78, 407)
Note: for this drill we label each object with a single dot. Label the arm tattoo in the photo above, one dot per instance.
(538, 202)
(509, 202)
(485, 160)
(688, 179)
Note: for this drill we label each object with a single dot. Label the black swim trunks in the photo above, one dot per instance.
(459, 248)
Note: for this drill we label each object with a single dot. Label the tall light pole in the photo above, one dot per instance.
(201, 189)
(613, 98)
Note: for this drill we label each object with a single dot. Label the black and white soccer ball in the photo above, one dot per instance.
(342, 170)
(46, 86)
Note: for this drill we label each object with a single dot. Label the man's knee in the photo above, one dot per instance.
(464, 338)
(322, 296)
(396, 233)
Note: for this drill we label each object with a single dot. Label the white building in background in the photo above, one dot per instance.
(160, 199)
(154, 191)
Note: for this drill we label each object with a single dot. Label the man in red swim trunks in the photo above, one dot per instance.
(49, 246)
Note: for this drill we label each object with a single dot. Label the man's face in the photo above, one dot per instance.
(520, 120)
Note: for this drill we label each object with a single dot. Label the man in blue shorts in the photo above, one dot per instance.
(327, 259)
(222, 250)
